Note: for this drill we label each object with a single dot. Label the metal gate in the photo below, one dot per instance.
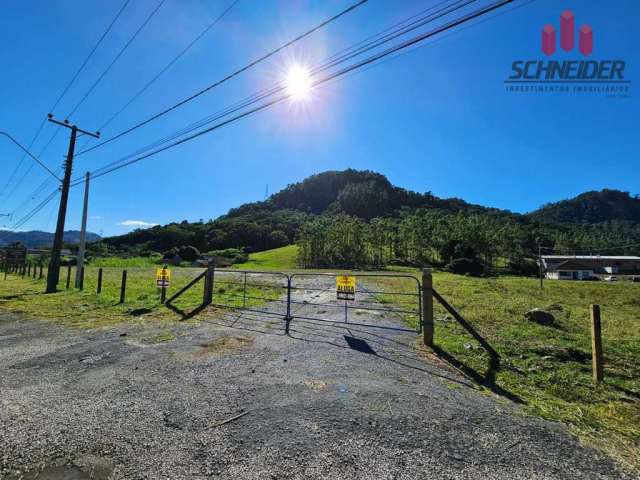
(391, 302)
(386, 301)
(254, 291)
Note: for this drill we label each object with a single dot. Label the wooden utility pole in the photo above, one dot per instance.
(53, 274)
(427, 307)
(83, 233)
(596, 345)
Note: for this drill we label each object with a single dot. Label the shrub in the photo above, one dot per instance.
(189, 253)
(466, 266)
(234, 255)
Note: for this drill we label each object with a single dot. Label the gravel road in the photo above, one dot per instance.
(229, 395)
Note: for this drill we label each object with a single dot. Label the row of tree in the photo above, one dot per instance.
(436, 237)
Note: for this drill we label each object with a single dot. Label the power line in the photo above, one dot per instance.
(124, 48)
(28, 153)
(64, 92)
(228, 77)
(86, 60)
(24, 175)
(29, 215)
(281, 86)
(171, 63)
(405, 44)
(37, 192)
(24, 155)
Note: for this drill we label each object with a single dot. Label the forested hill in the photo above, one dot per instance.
(37, 238)
(358, 218)
(362, 194)
(591, 207)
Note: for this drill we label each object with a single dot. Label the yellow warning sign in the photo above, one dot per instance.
(346, 287)
(163, 275)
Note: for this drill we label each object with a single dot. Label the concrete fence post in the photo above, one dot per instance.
(427, 307)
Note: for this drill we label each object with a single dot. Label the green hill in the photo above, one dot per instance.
(591, 207)
(358, 219)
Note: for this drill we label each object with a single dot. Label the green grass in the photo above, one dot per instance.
(88, 309)
(549, 368)
(125, 262)
(283, 258)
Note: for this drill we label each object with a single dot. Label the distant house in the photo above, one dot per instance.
(583, 267)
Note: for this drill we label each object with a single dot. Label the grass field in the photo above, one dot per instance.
(548, 369)
(283, 258)
(88, 309)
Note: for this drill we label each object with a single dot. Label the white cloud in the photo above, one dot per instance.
(137, 224)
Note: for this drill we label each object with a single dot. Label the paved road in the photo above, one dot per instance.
(328, 401)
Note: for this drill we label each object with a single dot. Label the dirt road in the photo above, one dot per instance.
(231, 396)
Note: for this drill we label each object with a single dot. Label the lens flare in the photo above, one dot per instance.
(298, 83)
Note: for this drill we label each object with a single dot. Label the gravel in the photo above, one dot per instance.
(329, 401)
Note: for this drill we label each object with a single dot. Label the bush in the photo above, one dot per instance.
(528, 268)
(466, 266)
(234, 255)
(189, 253)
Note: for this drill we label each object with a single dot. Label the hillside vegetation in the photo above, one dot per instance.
(358, 219)
(37, 238)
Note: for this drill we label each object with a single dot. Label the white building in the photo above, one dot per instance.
(583, 267)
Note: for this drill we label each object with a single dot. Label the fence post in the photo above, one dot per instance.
(123, 286)
(40, 271)
(99, 288)
(35, 267)
(81, 285)
(29, 270)
(287, 320)
(68, 276)
(207, 294)
(427, 307)
(596, 344)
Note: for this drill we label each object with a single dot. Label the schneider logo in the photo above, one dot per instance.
(576, 71)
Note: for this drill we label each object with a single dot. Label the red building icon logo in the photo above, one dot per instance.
(567, 36)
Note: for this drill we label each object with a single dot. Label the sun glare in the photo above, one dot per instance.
(298, 81)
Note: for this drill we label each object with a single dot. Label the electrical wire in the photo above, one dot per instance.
(61, 96)
(86, 60)
(332, 61)
(29, 215)
(170, 64)
(225, 79)
(405, 44)
(117, 57)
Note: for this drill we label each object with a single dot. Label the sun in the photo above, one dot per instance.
(298, 83)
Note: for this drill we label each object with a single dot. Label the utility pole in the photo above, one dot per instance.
(53, 275)
(540, 265)
(83, 232)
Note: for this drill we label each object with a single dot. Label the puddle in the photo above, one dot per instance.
(220, 346)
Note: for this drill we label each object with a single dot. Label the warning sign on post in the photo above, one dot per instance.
(163, 275)
(346, 287)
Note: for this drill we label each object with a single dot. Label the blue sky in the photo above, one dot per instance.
(437, 118)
